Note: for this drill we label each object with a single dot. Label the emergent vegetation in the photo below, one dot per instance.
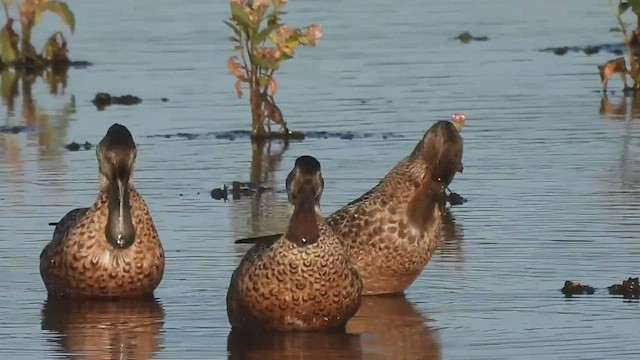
(263, 46)
(17, 50)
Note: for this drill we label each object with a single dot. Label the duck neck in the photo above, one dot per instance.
(426, 203)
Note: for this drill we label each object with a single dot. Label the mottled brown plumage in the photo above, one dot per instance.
(392, 231)
(111, 249)
(303, 281)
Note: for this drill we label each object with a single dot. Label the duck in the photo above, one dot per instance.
(112, 248)
(301, 281)
(391, 231)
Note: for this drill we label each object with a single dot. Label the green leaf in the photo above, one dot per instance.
(241, 17)
(264, 81)
(273, 16)
(275, 40)
(234, 39)
(293, 42)
(62, 9)
(635, 6)
(262, 35)
(303, 40)
(7, 54)
(8, 81)
(233, 27)
(38, 16)
(263, 63)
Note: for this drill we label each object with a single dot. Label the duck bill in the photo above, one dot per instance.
(303, 226)
(459, 124)
(123, 188)
(120, 231)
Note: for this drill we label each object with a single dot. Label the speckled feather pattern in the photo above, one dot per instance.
(284, 286)
(392, 231)
(80, 262)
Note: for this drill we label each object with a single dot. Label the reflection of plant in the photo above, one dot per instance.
(52, 126)
(259, 60)
(31, 12)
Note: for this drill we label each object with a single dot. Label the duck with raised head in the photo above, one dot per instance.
(447, 149)
(392, 230)
(302, 280)
(111, 249)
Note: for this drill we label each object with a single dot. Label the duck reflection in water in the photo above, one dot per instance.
(451, 248)
(289, 346)
(105, 329)
(611, 110)
(385, 327)
(391, 328)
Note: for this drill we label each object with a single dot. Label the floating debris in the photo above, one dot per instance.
(102, 100)
(616, 49)
(570, 288)
(220, 194)
(238, 190)
(17, 129)
(74, 146)
(590, 50)
(245, 134)
(561, 50)
(466, 38)
(455, 199)
(629, 289)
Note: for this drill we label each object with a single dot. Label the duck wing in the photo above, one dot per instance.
(68, 222)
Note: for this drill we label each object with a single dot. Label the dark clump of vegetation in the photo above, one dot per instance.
(466, 38)
(16, 50)
(74, 146)
(629, 289)
(238, 190)
(264, 43)
(245, 134)
(570, 289)
(455, 199)
(615, 49)
(102, 100)
(590, 50)
(16, 129)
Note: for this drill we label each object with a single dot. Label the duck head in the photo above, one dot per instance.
(304, 188)
(441, 148)
(116, 154)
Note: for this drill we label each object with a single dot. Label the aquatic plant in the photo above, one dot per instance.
(263, 46)
(18, 50)
(632, 46)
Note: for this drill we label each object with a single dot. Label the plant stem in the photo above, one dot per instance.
(266, 88)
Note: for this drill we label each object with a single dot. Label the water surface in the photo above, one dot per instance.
(551, 174)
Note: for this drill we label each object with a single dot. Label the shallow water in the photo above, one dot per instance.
(551, 174)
